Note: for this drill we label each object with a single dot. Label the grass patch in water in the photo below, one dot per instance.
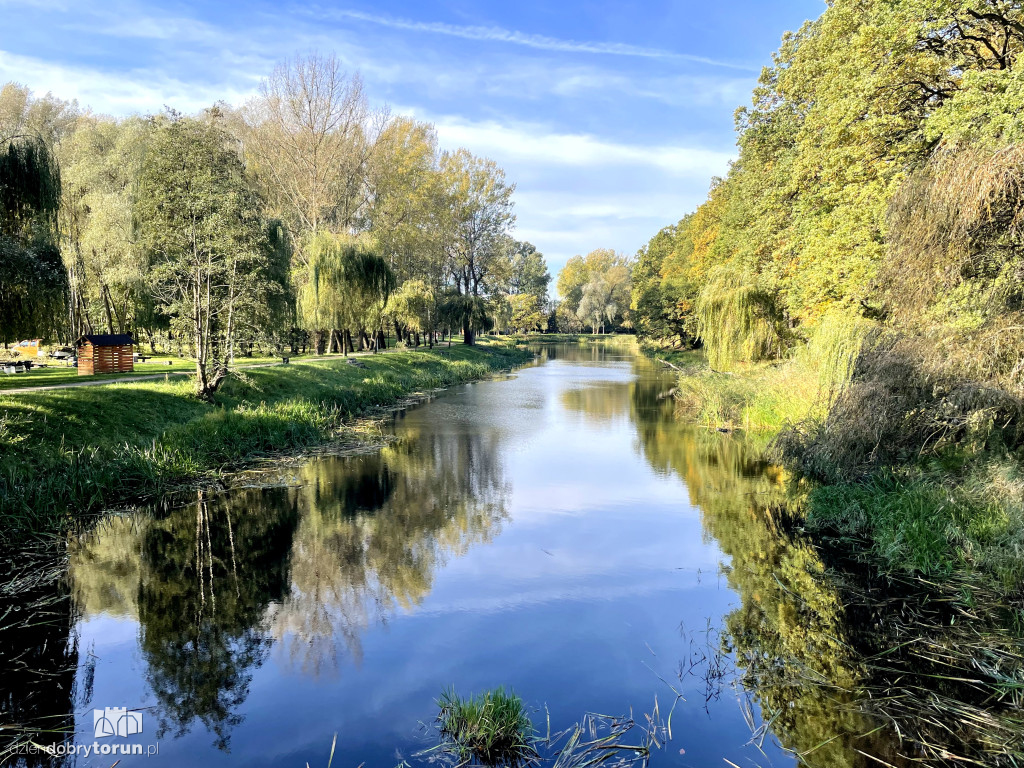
(492, 728)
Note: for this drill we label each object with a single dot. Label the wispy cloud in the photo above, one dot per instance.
(508, 141)
(121, 93)
(513, 37)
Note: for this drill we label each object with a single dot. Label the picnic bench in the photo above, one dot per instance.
(21, 366)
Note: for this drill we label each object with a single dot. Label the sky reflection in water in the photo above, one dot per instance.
(533, 532)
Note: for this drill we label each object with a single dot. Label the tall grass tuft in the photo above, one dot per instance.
(492, 729)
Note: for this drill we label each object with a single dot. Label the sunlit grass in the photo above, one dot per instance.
(492, 729)
(757, 398)
(67, 452)
(56, 373)
(932, 519)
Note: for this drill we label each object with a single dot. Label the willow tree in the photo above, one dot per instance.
(321, 290)
(605, 297)
(345, 288)
(372, 282)
(738, 320)
(414, 309)
(33, 282)
(466, 312)
(581, 270)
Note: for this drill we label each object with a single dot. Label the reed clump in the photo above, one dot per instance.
(492, 729)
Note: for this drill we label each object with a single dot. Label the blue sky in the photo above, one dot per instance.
(611, 117)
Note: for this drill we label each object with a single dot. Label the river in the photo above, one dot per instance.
(555, 531)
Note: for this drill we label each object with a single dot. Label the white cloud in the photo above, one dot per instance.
(592, 172)
(513, 37)
(138, 91)
(606, 204)
(535, 144)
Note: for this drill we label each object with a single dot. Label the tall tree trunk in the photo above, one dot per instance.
(230, 340)
(106, 308)
(197, 309)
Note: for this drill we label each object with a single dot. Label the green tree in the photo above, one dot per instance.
(477, 217)
(201, 224)
(605, 297)
(526, 312)
(528, 272)
(33, 282)
(107, 270)
(414, 306)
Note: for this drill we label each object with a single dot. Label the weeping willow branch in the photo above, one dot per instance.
(737, 320)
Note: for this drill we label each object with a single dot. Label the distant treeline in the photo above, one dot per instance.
(873, 224)
(304, 217)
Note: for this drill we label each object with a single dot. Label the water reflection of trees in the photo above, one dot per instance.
(199, 579)
(375, 530)
(808, 639)
(210, 570)
(645, 397)
(787, 635)
(216, 583)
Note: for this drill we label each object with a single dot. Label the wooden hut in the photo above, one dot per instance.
(111, 353)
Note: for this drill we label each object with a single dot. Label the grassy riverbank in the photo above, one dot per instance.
(66, 453)
(936, 512)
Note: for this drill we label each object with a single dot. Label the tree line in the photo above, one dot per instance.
(877, 196)
(595, 293)
(304, 218)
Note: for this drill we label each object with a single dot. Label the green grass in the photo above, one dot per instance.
(758, 398)
(933, 519)
(68, 452)
(55, 373)
(491, 729)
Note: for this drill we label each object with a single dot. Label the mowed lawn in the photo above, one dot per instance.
(57, 373)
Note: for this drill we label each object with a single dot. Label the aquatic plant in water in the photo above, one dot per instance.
(491, 729)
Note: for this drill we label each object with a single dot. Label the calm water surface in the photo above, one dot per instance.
(556, 532)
